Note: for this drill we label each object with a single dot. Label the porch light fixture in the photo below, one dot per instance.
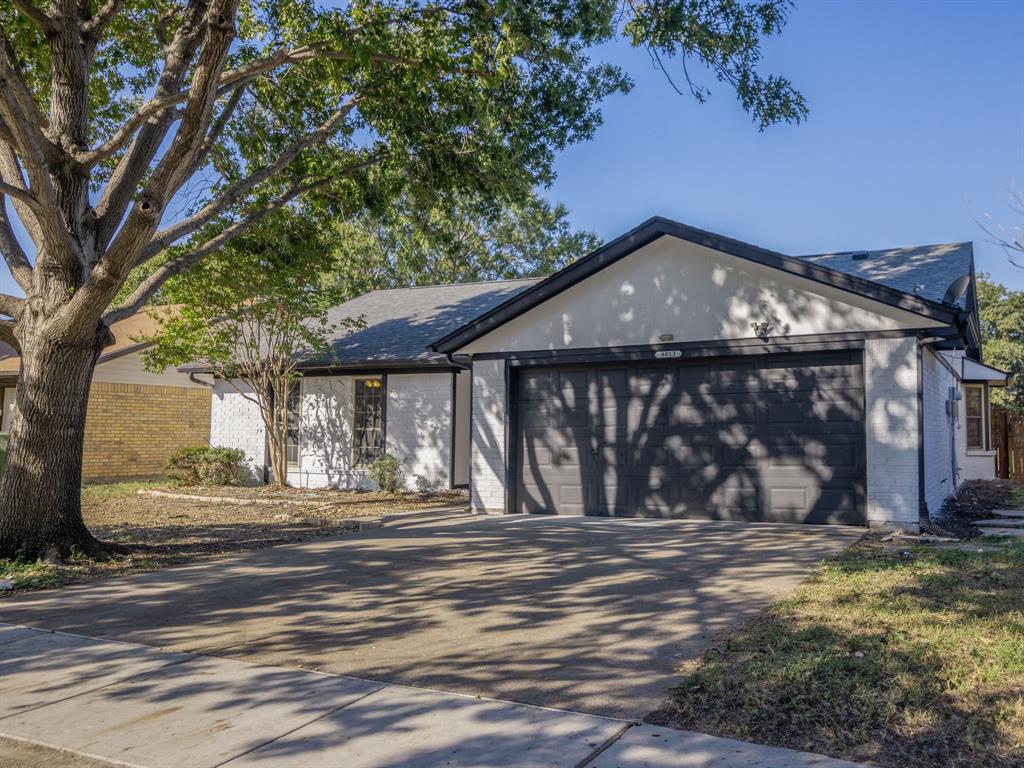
(763, 330)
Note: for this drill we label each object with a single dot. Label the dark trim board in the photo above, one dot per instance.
(725, 347)
(658, 227)
(922, 502)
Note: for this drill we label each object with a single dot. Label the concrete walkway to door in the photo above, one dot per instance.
(154, 709)
(587, 614)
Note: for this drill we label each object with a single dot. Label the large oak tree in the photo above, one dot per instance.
(129, 126)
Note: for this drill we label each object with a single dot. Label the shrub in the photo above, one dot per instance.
(386, 472)
(203, 465)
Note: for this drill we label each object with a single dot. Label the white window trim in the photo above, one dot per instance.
(383, 417)
(298, 447)
(975, 449)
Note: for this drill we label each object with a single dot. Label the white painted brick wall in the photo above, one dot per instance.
(890, 372)
(487, 459)
(419, 427)
(938, 464)
(325, 454)
(418, 430)
(235, 423)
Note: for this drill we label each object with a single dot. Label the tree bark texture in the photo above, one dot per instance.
(40, 489)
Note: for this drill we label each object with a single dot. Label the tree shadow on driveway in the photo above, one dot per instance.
(587, 614)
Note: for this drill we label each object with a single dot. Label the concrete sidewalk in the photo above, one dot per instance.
(139, 706)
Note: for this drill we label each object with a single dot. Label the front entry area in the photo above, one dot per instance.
(774, 437)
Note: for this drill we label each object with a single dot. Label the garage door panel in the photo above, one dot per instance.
(767, 438)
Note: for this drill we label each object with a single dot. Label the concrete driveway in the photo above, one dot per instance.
(586, 614)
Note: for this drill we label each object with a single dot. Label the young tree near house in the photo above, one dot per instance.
(252, 312)
(455, 238)
(129, 126)
(1002, 335)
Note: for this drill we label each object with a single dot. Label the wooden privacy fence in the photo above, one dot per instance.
(1008, 441)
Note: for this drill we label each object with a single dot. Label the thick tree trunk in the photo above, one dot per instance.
(40, 490)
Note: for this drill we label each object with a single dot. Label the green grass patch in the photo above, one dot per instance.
(1017, 496)
(912, 657)
(31, 574)
(97, 492)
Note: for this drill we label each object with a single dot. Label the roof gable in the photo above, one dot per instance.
(678, 292)
(658, 227)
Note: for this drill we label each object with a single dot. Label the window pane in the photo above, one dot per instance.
(368, 421)
(973, 398)
(294, 422)
(974, 433)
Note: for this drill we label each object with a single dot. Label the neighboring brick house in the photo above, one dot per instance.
(135, 418)
(672, 372)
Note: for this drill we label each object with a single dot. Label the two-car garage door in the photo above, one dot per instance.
(768, 437)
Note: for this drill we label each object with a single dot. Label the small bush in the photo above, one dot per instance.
(386, 472)
(203, 465)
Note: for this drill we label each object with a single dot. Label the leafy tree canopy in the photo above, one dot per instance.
(455, 239)
(1002, 333)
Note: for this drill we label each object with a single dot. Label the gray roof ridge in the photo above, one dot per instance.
(454, 285)
(952, 243)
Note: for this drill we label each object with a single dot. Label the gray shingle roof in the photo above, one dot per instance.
(925, 270)
(402, 322)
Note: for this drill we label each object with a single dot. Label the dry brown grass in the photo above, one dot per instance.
(156, 532)
(911, 657)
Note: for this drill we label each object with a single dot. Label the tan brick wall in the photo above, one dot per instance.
(131, 429)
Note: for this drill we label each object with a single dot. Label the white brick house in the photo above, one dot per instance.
(672, 372)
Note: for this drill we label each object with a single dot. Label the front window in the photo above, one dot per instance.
(368, 421)
(974, 407)
(294, 423)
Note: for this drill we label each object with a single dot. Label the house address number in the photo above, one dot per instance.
(668, 353)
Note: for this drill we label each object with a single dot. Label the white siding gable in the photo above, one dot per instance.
(695, 293)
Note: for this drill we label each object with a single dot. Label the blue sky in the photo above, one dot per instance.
(916, 132)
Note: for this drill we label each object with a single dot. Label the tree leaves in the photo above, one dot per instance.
(1002, 333)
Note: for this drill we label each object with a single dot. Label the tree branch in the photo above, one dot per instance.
(229, 79)
(7, 335)
(35, 15)
(11, 306)
(20, 112)
(10, 171)
(20, 193)
(148, 288)
(134, 164)
(235, 192)
(14, 254)
(93, 28)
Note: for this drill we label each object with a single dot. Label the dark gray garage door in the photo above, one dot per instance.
(773, 437)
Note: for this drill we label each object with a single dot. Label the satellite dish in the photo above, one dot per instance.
(956, 290)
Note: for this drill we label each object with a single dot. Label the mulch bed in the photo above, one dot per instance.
(977, 498)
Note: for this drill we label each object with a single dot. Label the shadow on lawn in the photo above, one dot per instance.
(927, 671)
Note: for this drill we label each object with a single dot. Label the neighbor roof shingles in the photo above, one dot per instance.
(925, 270)
(402, 322)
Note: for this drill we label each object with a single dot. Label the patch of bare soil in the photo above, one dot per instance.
(157, 531)
(975, 501)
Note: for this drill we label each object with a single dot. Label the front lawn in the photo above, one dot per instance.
(909, 656)
(157, 531)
